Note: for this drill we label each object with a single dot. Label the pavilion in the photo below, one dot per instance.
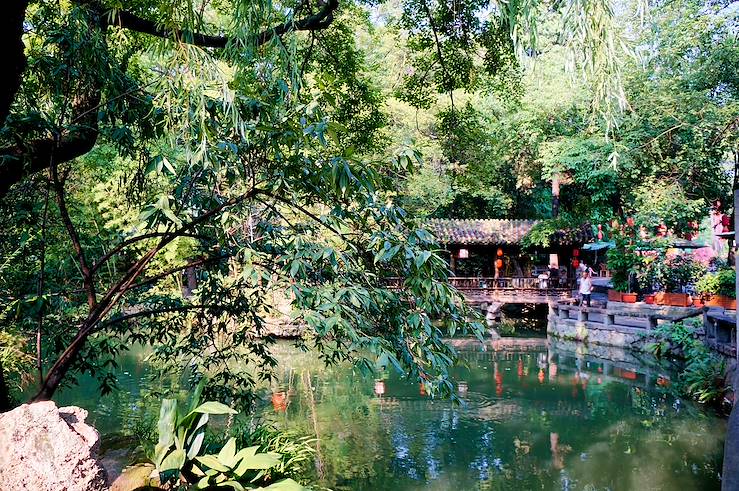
(487, 254)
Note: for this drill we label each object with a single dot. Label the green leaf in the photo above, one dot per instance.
(166, 428)
(231, 484)
(195, 441)
(244, 456)
(259, 461)
(173, 461)
(284, 485)
(212, 462)
(227, 453)
(212, 407)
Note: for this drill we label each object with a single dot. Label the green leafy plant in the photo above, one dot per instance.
(721, 282)
(669, 273)
(564, 229)
(703, 376)
(229, 467)
(178, 455)
(623, 259)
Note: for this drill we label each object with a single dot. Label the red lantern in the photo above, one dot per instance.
(662, 230)
(576, 252)
(499, 263)
(575, 263)
(499, 252)
(630, 221)
(600, 232)
(725, 220)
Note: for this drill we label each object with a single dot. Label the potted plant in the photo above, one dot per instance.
(668, 274)
(674, 273)
(623, 262)
(718, 289)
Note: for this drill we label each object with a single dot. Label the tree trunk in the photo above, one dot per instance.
(14, 57)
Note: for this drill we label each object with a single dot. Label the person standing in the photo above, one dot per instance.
(586, 288)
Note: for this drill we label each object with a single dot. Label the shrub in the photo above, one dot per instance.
(703, 376)
(722, 282)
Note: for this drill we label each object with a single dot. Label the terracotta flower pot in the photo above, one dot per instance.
(614, 295)
(698, 302)
(672, 299)
(721, 301)
(649, 299)
(628, 297)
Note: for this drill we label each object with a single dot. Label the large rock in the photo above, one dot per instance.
(43, 447)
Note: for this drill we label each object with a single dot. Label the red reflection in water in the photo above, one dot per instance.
(541, 376)
(379, 388)
(520, 368)
(552, 371)
(279, 401)
(498, 380)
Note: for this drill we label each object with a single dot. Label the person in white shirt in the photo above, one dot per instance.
(586, 288)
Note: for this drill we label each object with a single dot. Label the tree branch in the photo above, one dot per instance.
(133, 240)
(128, 20)
(155, 278)
(164, 310)
(56, 373)
(87, 275)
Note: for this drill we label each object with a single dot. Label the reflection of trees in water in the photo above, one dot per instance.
(517, 430)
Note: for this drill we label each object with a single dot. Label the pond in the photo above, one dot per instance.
(535, 414)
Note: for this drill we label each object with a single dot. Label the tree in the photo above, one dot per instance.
(200, 116)
(239, 139)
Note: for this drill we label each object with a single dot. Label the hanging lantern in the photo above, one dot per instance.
(575, 252)
(463, 254)
(600, 232)
(725, 220)
(499, 263)
(575, 263)
(662, 230)
(499, 252)
(630, 221)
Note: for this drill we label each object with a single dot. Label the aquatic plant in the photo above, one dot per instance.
(703, 376)
(179, 454)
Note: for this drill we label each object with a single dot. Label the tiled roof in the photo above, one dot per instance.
(482, 232)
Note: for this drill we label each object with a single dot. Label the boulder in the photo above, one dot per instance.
(43, 447)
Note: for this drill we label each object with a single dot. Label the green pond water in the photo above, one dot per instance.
(536, 414)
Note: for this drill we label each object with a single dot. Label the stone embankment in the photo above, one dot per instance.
(45, 448)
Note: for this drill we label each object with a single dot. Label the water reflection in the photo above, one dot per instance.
(535, 414)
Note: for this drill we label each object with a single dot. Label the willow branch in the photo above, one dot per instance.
(128, 20)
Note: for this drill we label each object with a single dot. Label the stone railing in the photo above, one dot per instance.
(627, 325)
(720, 331)
(513, 283)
